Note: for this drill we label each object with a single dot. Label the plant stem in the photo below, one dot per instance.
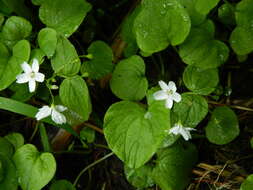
(90, 166)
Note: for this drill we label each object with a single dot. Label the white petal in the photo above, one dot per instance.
(174, 130)
(160, 95)
(176, 97)
(190, 129)
(35, 65)
(26, 67)
(57, 117)
(32, 85)
(60, 108)
(172, 86)
(169, 103)
(163, 85)
(39, 77)
(186, 134)
(43, 112)
(23, 78)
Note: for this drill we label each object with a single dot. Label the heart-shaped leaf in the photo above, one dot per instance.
(7, 148)
(223, 126)
(226, 14)
(8, 176)
(16, 139)
(141, 177)
(160, 23)
(15, 29)
(129, 129)
(128, 80)
(203, 6)
(9, 70)
(201, 49)
(247, 183)
(100, 63)
(200, 81)
(64, 16)
(34, 169)
(174, 165)
(241, 38)
(62, 185)
(75, 95)
(190, 110)
(65, 60)
(47, 39)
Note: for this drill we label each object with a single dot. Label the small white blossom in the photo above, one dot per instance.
(54, 111)
(179, 129)
(31, 75)
(168, 93)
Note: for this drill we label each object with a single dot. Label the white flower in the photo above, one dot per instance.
(54, 111)
(179, 129)
(31, 75)
(168, 93)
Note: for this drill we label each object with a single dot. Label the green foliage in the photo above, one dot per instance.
(223, 126)
(248, 183)
(65, 60)
(203, 6)
(128, 79)
(62, 185)
(100, 63)
(241, 38)
(174, 165)
(160, 23)
(129, 129)
(7, 148)
(200, 81)
(201, 49)
(15, 29)
(75, 95)
(11, 68)
(47, 39)
(63, 15)
(34, 169)
(16, 139)
(190, 110)
(141, 177)
(88, 135)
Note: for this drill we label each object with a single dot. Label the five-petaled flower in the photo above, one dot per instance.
(178, 128)
(54, 111)
(31, 75)
(168, 93)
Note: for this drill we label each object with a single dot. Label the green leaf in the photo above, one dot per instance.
(223, 126)
(248, 183)
(101, 62)
(190, 110)
(129, 129)
(64, 16)
(160, 23)
(6, 147)
(19, 7)
(1, 20)
(62, 185)
(201, 49)
(37, 54)
(88, 135)
(128, 80)
(16, 139)
(200, 81)
(34, 169)
(226, 14)
(9, 70)
(205, 6)
(20, 92)
(15, 29)
(141, 177)
(196, 17)
(65, 60)
(75, 95)
(8, 176)
(37, 2)
(174, 165)
(241, 39)
(47, 39)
